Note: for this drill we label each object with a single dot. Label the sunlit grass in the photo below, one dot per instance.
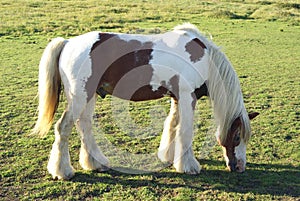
(259, 37)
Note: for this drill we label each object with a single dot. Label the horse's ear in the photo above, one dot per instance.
(253, 115)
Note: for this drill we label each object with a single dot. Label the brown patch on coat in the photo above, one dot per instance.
(233, 139)
(103, 37)
(196, 49)
(121, 68)
(173, 87)
(198, 93)
(165, 89)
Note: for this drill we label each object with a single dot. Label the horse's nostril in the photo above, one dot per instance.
(232, 167)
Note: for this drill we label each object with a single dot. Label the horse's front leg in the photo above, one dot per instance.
(167, 145)
(184, 159)
(91, 157)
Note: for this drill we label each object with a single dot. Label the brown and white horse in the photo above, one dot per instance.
(181, 64)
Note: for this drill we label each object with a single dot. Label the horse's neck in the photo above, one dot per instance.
(224, 90)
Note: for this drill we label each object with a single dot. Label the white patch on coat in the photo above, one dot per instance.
(169, 58)
(240, 153)
(76, 67)
(171, 39)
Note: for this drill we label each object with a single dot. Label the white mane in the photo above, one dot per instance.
(225, 93)
(188, 27)
(224, 88)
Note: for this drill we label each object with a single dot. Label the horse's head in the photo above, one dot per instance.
(234, 146)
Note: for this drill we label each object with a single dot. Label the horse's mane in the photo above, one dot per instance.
(223, 87)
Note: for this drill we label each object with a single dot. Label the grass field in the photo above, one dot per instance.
(261, 39)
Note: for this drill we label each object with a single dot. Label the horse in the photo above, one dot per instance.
(181, 64)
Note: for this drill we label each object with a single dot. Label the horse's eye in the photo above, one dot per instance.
(237, 138)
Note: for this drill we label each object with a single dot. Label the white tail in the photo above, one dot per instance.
(49, 86)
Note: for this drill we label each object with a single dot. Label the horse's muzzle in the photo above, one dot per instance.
(232, 166)
(236, 166)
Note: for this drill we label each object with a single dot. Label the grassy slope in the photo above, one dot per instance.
(260, 38)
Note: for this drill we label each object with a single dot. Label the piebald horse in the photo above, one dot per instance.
(181, 64)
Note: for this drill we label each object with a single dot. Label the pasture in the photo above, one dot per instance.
(261, 39)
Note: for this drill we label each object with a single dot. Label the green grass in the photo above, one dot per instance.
(261, 39)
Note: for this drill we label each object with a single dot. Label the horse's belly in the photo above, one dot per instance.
(142, 94)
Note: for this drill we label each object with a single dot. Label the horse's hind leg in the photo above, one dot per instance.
(167, 145)
(91, 158)
(59, 165)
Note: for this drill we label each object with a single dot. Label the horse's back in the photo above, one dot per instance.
(131, 66)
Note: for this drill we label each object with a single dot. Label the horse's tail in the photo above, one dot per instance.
(49, 86)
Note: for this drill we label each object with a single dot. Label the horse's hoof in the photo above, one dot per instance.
(64, 177)
(193, 172)
(102, 169)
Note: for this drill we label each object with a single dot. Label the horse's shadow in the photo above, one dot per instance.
(271, 179)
